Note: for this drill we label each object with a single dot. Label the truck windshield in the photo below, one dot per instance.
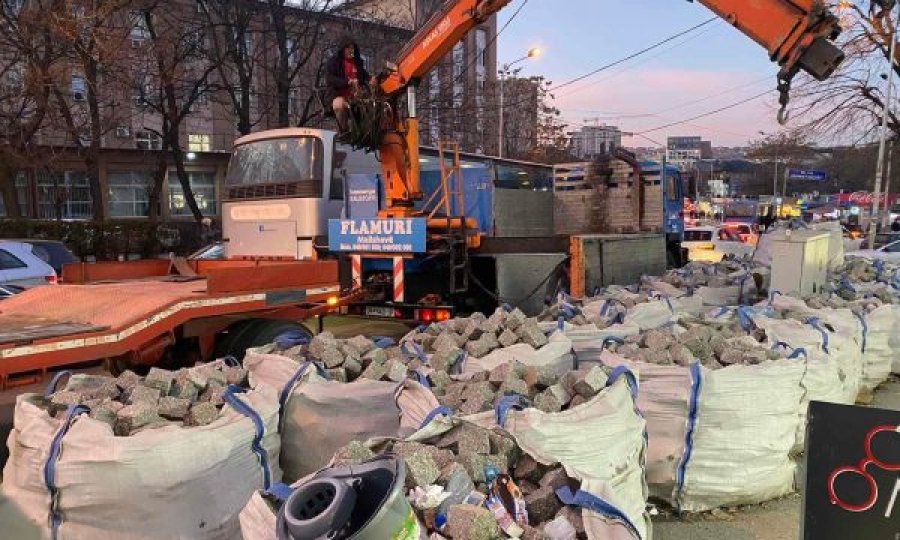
(286, 160)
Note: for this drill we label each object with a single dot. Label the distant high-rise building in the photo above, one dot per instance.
(685, 151)
(592, 141)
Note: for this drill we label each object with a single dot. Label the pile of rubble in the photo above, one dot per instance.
(541, 385)
(457, 483)
(345, 360)
(698, 274)
(130, 403)
(715, 346)
(478, 335)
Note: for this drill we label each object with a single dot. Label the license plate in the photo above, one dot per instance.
(373, 311)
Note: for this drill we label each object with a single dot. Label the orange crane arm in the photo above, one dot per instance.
(796, 34)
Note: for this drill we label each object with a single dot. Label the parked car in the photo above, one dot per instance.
(712, 244)
(9, 290)
(20, 266)
(52, 252)
(889, 252)
(212, 252)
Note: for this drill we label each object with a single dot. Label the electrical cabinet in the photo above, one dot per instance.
(799, 261)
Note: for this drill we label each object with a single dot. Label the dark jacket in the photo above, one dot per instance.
(334, 71)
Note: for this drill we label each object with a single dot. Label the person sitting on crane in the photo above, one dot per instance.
(347, 78)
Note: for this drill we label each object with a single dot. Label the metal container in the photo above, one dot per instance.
(359, 502)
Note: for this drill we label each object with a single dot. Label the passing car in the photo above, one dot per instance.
(20, 266)
(747, 233)
(712, 244)
(888, 252)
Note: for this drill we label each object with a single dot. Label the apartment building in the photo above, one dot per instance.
(224, 59)
(458, 99)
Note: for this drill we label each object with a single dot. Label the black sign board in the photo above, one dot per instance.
(852, 473)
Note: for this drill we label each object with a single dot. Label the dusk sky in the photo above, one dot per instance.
(659, 87)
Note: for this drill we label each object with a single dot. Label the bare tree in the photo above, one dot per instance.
(849, 105)
(94, 43)
(296, 31)
(175, 75)
(28, 53)
(234, 50)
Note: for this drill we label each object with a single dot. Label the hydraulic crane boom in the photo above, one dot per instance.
(797, 34)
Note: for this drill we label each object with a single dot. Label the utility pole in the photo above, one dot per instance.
(886, 212)
(882, 143)
(500, 127)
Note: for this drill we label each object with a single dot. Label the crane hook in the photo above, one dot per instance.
(784, 97)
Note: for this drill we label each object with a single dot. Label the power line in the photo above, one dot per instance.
(634, 54)
(621, 72)
(602, 68)
(710, 113)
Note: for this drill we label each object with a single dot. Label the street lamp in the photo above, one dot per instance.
(533, 52)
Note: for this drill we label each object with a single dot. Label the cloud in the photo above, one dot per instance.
(641, 99)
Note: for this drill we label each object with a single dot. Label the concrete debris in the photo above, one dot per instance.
(471, 523)
(61, 401)
(591, 383)
(542, 504)
(128, 380)
(133, 417)
(337, 375)
(130, 403)
(201, 414)
(183, 387)
(93, 387)
(143, 394)
(173, 408)
(160, 379)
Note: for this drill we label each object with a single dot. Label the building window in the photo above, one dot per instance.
(293, 102)
(244, 43)
(139, 30)
(63, 195)
(290, 44)
(239, 96)
(143, 95)
(129, 193)
(79, 88)
(434, 115)
(14, 79)
(481, 50)
(459, 61)
(198, 142)
(203, 184)
(147, 140)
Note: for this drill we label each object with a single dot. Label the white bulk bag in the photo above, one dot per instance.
(557, 353)
(719, 437)
(168, 482)
(318, 417)
(600, 442)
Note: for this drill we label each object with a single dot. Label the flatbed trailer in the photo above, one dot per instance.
(138, 314)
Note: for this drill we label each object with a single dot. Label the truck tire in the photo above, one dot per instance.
(262, 332)
(226, 341)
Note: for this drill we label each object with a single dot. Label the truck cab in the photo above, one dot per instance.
(281, 189)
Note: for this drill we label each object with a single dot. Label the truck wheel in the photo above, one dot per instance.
(262, 332)
(226, 342)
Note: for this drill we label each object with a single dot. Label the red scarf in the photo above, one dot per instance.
(349, 73)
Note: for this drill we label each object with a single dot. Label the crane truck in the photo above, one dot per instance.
(283, 188)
